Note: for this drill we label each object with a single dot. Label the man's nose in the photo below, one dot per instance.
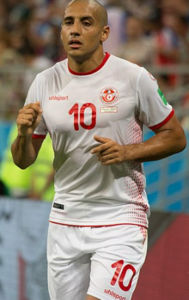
(75, 30)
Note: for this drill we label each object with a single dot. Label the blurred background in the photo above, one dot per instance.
(150, 33)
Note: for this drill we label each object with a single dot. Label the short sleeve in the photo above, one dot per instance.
(33, 96)
(153, 109)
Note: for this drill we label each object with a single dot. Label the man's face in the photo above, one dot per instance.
(82, 32)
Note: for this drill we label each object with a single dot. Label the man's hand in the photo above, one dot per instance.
(168, 139)
(109, 152)
(28, 119)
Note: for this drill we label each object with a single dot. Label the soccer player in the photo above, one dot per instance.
(94, 105)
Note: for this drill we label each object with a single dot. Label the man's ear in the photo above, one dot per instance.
(105, 33)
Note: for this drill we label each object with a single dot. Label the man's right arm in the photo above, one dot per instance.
(24, 148)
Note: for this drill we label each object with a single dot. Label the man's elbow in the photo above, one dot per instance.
(181, 142)
(20, 164)
(184, 144)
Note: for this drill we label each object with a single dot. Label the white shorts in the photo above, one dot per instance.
(103, 262)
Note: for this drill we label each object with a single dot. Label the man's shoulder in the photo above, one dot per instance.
(124, 69)
(53, 72)
(123, 63)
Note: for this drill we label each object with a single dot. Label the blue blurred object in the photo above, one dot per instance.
(167, 181)
(4, 132)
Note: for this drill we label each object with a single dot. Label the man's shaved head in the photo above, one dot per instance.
(84, 30)
(101, 12)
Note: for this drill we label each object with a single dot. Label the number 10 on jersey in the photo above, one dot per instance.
(79, 115)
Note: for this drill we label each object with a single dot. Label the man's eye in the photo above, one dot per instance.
(86, 23)
(68, 22)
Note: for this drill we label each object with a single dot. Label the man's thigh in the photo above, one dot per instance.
(89, 297)
(68, 269)
(115, 268)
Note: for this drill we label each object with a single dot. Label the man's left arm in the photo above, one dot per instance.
(168, 140)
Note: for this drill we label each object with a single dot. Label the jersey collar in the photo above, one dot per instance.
(107, 55)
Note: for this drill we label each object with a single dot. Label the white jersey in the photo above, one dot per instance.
(113, 101)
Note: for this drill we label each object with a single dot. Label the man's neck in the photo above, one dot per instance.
(85, 65)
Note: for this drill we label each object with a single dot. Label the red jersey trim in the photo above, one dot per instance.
(38, 136)
(71, 225)
(106, 57)
(164, 122)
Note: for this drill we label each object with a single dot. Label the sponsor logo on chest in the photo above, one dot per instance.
(58, 98)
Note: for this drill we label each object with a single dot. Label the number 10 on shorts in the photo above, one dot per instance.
(121, 273)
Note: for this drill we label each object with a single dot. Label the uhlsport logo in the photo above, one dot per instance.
(114, 295)
(58, 98)
(108, 95)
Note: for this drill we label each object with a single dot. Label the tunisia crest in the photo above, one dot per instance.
(108, 95)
